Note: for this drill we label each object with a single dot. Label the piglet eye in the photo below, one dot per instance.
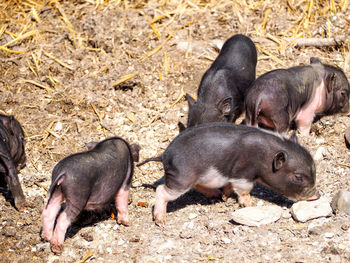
(343, 94)
(297, 178)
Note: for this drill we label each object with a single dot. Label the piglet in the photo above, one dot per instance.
(12, 156)
(224, 85)
(89, 180)
(222, 155)
(298, 94)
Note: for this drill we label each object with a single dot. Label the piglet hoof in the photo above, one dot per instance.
(245, 200)
(57, 249)
(159, 219)
(124, 222)
(159, 222)
(20, 205)
(45, 237)
(224, 197)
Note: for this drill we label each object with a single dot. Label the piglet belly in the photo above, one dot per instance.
(315, 106)
(212, 178)
(98, 199)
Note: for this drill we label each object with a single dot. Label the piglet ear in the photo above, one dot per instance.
(314, 60)
(278, 161)
(329, 78)
(135, 148)
(91, 145)
(294, 137)
(190, 100)
(225, 106)
(181, 126)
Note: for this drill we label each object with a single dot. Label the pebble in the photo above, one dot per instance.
(305, 210)
(9, 231)
(321, 151)
(329, 235)
(256, 216)
(192, 216)
(286, 214)
(341, 202)
(313, 229)
(226, 240)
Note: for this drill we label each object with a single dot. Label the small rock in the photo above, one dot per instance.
(256, 216)
(9, 231)
(305, 210)
(185, 234)
(43, 247)
(87, 236)
(345, 227)
(58, 126)
(192, 216)
(329, 235)
(121, 242)
(226, 240)
(315, 230)
(319, 153)
(286, 214)
(189, 225)
(21, 244)
(341, 202)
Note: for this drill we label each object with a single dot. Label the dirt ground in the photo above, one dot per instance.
(60, 65)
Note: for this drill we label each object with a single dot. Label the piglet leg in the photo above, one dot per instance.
(62, 225)
(121, 202)
(306, 115)
(242, 188)
(163, 196)
(13, 183)
(49, 214)
(304, 125)
(227, 191)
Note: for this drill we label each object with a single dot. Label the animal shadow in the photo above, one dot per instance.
(88, 218)
(193, 197)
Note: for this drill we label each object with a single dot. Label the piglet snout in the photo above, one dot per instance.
(314, 197)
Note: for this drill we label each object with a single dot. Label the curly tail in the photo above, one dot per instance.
(153, 159)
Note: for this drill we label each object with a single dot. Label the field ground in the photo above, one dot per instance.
(79, 71)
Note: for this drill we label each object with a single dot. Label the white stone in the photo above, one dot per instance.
(226, 240)
(192, 216)
(58, 126)
(305, 210)
(319, 153)
(341, 201)
(256, 216)
(329, 235)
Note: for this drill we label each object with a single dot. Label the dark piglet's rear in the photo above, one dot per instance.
(298, 94)
(12, 156)
(89, 180)
(215, 155)
(224, 85)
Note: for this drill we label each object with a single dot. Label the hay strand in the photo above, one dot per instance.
(156, 49)
(37, 84)
(58, 61)
(123, 79)
(21, 37)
